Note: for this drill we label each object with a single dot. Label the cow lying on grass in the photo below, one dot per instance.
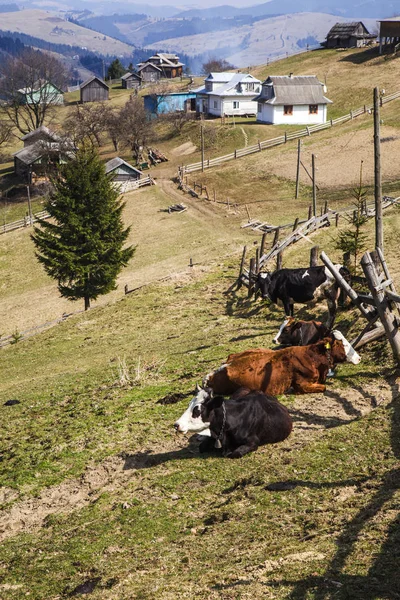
(302, 368)
(239, 425)
(304, 286)
(294, 332)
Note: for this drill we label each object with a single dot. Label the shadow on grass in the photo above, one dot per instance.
(359, 58)
(382, 580)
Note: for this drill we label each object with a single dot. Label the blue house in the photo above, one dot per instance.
(161, 104)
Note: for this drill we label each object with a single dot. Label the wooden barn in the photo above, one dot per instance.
(389, 34)
(94, 90)
(43, 150)
(131, 81)
(149, 72)
(122, 171)
(348, 35)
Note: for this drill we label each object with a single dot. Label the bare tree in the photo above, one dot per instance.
(158, 93)
(87, 122)
(31, 85)
(136, 128)
(216, 65)
(5, 132)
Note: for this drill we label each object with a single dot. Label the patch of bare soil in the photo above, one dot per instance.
(184, 149)
(312, 414)
(338, 161)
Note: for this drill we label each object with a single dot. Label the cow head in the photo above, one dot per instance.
(350, 354)
(191, 419)
(262, 284)
(286, 328)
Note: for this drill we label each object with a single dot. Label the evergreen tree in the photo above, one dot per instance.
(353, 240)
(82, 246)
(116, 69)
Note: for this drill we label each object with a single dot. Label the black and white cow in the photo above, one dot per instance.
(303, 286)
(241, 424)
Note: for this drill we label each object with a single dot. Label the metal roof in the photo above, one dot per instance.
(30, 154)
(143, 65)
(294, 90)
(42, 129)
(116, 162)
(230, 87)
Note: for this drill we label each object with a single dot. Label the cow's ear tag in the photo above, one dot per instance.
(218, 444)
(327, 345)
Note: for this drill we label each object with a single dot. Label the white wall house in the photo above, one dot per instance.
(292, 100)
(228, 94)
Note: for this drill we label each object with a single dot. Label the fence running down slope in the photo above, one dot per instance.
(282, 139)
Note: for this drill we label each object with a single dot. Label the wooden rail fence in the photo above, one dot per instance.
(282, 139)
(25, 222)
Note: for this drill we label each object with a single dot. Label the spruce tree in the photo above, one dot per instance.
(82, 246)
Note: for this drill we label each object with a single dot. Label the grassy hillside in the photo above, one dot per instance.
(48, 26)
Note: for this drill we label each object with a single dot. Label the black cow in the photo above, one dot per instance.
(295, 332)
(243, 423)
(303, 286)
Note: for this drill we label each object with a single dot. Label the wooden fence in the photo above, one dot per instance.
(282, 139)
(300, 230)
(128, 186)
(25, 222)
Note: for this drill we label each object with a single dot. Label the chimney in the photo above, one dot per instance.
(290, 75)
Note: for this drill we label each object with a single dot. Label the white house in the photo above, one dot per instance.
(292, 100)
(228, 94)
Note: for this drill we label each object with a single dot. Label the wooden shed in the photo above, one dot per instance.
(389, 34)
(149, 72)
(122, 171)
(131, 81)
(94, 90)
(348, 35)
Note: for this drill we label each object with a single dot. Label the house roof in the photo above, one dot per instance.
(220, 77)
(294, 90)
(116, 162)
(94, 78)
(170, 60)
(37, 86)
(391, 20)
(349, 29)
(230, 87)
(148, 64)
(128, 75)
(30, 154)
(41, 130)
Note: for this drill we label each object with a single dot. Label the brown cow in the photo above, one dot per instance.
(303, 368)
(294, 332)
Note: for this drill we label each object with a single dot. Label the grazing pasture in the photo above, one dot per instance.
(100, 497)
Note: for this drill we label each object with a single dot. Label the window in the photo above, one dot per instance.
(215, 104)
(209, 86)
(259, 106)
(288, 109)
(235, 104)
(313, 109)
(250, 87)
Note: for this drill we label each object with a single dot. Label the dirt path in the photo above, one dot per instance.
(312, 415)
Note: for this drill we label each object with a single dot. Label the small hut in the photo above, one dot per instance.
(348, 35)
(131, 81)
(122, 171)
(94, 90)
(149, 72)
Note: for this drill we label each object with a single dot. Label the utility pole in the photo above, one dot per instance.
(314, 187)
(104, 70)
(298, 168)
(202, 146)
(378, 179)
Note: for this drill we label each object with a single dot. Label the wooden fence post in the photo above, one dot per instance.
(337, 219)
(276, 236)
(309, 212)
(257, 266)
(251, 278)
(295, 224)
(240, 282)
(262, 245)
(387, 318)
(279, 260)
(314, 256)
(259, 145)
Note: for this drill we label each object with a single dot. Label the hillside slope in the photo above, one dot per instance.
(254, 44)
(52, 28)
